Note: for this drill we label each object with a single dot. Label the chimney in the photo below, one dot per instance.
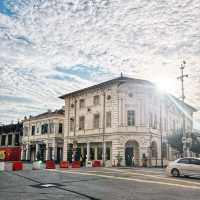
(49, 110)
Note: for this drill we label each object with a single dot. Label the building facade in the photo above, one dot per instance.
(43, 136)
(10, 141)
(121, 118)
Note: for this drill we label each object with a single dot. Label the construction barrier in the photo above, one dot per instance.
(17, 165)
(2, 166)
(76, 164)
(96, 163)
(50, 164)
(37, 165)
(64, 164)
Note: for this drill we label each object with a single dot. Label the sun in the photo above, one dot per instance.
(165, 85)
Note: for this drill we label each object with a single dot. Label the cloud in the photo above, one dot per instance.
(52, 47)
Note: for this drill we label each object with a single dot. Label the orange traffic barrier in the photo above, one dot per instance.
(76, 164)
(17, 165)
(64, 164)
(50, 164)
(96, 163)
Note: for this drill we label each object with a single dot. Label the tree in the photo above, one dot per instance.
(195, 146)
(175, 140)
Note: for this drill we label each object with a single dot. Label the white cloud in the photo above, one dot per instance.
(140, 38)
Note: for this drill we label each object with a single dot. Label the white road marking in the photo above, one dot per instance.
(129, 179)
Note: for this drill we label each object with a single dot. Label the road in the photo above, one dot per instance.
(96, 184)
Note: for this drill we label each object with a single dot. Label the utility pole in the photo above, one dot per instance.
(183, 99)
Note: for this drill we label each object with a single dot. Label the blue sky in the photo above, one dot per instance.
(52, 47)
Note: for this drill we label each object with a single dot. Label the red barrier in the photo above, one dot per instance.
(17, 165)
(50, 164)
(76, 164)
(64, 164)
(96, 163)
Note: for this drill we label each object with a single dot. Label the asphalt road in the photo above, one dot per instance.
(96, 184)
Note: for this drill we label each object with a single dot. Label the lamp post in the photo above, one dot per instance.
(183, 99)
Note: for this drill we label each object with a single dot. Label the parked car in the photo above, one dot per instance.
(184, 167)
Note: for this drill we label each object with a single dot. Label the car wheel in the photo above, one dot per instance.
(175, 173)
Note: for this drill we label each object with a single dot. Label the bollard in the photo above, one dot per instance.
(50, 164)
(76, 164)
(17, 165)
(37, 165)
(96, 163)
(64, 164)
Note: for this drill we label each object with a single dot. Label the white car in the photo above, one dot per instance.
(184, 167)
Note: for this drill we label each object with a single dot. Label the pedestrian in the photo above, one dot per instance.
(133, 161)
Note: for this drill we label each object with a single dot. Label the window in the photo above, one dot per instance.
(60, 128)
(108, 119)
(96, 121)
(92, 153)
(174, 125)
(44, 128)
(38, 128)
(3, 140)
(96, 100)
(195, 162)
(108, 97)
(33, 130)
(155, 122)
(154, 149)
(81, 123)
(131, 118)
(51, 127)
(150, 120)
(25, 131)
(82, 103)
(9, 139)
(184, 161)
(107, 153)
(17, 140)
(71, 124)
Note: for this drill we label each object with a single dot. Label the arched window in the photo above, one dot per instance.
(154, 151)
(164, 150)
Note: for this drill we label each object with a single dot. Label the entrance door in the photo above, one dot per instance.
(59, 154)
(128, 156)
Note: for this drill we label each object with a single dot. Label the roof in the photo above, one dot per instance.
(106, 83)
(47, 114)
(121, 79)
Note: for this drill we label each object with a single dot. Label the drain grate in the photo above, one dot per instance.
(47, 185)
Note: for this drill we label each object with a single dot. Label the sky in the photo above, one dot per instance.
(51, 47)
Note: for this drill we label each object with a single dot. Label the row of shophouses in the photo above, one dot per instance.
(112, 122)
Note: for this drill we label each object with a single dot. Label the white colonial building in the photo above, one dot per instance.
(43, 136)
(117, 119)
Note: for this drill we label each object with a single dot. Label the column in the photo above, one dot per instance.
(65, 150)
(104, 152)
(6, 142)
(88, 151)
(47, 152)
(27, 152)
(37, 151)
(96, 152)
(13, 140)
(0, 139)
(54, 151)
(22, 152)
